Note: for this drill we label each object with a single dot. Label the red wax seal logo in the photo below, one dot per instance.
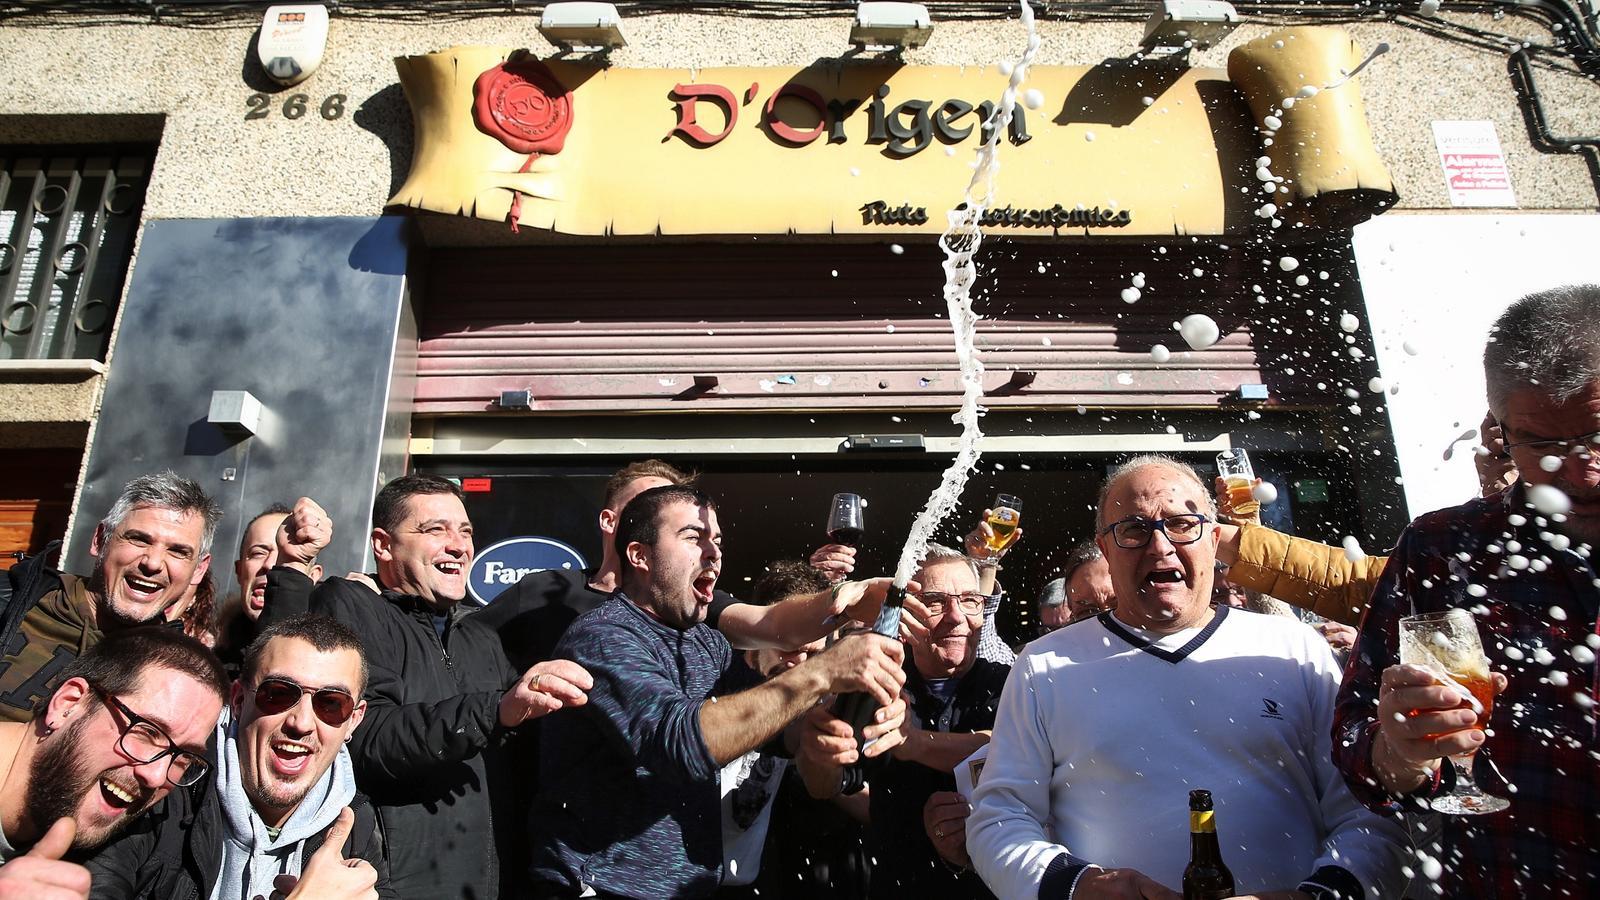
(520, 104)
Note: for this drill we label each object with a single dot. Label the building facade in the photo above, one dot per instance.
(457, 248)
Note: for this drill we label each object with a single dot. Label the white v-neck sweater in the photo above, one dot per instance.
(1097, 744)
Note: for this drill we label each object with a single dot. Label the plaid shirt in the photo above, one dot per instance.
(1536, 607)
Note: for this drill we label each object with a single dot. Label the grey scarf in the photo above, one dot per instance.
(251, 858)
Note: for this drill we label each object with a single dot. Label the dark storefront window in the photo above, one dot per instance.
(67, 222)
(775, 508)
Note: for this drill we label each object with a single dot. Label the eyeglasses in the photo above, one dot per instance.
(142, 742)
(1583, 443)
(1136, 531)
(970, 604)
(331, 705)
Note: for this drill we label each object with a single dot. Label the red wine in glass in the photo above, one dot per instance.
(846, 520)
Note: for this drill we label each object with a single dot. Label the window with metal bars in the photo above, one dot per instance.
(68, 216)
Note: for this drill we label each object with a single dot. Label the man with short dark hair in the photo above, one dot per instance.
(1106, 726)
(283, 792)
(1522, 561)
(629, 799)
(128, 722)
(442, 699)
(258, 554)
(531, 616)
(1088, 576)
(152, 547)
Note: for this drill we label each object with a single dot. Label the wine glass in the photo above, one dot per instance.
(846, 520)
(1447, 645)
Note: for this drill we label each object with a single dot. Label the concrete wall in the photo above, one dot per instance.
(214, 163)
(184, 87)
(323, 301)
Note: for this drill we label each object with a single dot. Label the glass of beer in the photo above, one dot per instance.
(1004, 514)
(1240, 477)
(1447, 645)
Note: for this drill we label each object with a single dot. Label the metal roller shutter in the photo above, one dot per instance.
(800, 326)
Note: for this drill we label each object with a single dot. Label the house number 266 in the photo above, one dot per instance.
(294, 106)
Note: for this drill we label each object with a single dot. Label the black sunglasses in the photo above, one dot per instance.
(333, 706)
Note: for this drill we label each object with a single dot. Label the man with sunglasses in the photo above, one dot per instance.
(1106, 725)
(1522, 561)
(281, 787)
(916, 833)
(127, 724)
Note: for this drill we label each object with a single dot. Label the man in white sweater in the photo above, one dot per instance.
(1106, 725)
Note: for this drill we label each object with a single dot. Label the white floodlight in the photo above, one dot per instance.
(1178, 26)
(891, 26)
(582, 26)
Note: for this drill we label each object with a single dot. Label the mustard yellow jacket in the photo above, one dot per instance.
(1309, 575)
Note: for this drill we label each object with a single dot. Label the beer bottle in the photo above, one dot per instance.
(1205, 878)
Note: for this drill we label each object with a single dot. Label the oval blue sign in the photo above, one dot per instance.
(501, 565)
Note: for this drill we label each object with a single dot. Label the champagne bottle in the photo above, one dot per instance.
(1206, 877)
(858, 709)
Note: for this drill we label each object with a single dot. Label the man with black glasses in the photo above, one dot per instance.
(281, 812)
(1105, 726)
(128, 722)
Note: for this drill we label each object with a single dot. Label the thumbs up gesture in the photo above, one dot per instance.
(327, 874)
(41, 875)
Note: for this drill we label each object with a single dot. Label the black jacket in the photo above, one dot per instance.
(533, 614)
(174, 852)
(905, 861)
(430, 753)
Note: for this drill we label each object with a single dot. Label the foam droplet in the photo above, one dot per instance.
(1349, 323)
(1199, 331)
(1288, 263)
(1033, 98)
(896, 249)
(1352, 549)
(1265, 493)
(1138, 280)
(1550, 463)
(1272, 122)
(1130, 295)
(1160, 353)
(1549, 500)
